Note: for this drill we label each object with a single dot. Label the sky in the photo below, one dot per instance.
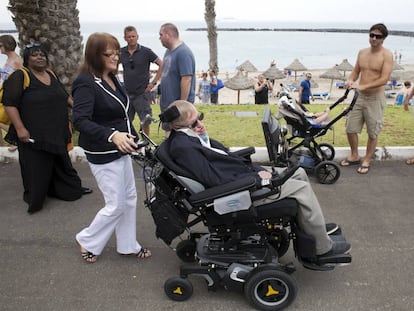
(354, 11)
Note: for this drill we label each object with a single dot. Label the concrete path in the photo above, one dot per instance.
(41, 268)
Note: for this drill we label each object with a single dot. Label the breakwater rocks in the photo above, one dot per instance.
(403, 33)
(8, 30)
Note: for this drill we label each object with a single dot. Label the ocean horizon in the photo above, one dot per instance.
(316, 50)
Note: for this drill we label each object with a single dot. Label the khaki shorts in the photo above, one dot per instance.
(369, 109)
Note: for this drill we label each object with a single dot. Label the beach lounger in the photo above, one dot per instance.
(323, 95)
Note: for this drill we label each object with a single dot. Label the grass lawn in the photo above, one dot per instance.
(228, 124)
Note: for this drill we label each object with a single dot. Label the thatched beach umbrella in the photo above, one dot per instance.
(332, 74)
(272, 73)
(239, 82)
(247, 66)
(296, 66)
(345, 66)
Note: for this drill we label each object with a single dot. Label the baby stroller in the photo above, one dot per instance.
(241, 245)
(316, 156)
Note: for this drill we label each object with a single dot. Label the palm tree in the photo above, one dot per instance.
(210, 18)
(55, 24)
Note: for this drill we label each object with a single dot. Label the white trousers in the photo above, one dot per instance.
(310, 216)
(117, 183)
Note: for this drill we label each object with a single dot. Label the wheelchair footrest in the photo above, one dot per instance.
(326, 263)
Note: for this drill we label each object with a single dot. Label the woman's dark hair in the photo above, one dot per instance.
(32, 48)
(96, 45)
(381, 28)
(9, 43)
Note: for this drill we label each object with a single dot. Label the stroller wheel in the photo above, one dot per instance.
(327, 172)
(186, 250)
(178, 289)
(270, 289)
(328, 151)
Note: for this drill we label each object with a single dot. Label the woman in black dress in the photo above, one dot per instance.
(39, 115)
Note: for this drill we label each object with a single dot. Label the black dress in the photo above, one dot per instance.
(46, 167)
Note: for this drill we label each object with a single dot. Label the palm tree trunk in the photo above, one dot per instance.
(55, 24)
(210, 18)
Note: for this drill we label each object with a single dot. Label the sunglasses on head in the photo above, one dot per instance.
(199, 118)
(374, 35)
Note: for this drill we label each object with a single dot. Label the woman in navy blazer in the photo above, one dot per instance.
(100, 114)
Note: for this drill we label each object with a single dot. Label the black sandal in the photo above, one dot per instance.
(86, 255)
(89, 257)
(144, 253)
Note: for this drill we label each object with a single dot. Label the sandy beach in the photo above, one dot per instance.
(228, 96)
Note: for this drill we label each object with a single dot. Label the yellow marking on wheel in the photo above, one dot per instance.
(271, 291)
(178, 291)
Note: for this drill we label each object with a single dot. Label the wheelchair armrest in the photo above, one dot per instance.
(247, 183)
(245, 152)
(280, 179)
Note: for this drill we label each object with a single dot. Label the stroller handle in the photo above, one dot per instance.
(345, 96)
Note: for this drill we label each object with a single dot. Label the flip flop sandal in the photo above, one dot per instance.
(363, 169)
(347, 162)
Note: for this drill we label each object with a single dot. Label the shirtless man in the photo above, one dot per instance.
(373, 69)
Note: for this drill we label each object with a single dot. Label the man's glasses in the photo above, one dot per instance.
(374, 35)
(199, 118)
(112, 54)
(131, 63)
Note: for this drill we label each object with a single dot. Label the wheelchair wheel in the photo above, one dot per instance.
(280, 242)
(327, 172)
(328, 151)
(270, 290)
(186, 250)
(178, 289)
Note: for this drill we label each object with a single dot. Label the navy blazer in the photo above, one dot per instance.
(98, 111)
(207, 166)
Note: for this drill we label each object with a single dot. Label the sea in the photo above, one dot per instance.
(315, 50)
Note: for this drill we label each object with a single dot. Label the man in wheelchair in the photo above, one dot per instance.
(211, 164)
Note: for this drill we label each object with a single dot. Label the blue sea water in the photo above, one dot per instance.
(314, 49)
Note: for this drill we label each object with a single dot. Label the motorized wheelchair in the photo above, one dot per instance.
(240, 245)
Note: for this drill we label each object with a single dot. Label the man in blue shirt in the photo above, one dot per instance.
(178, 73)
(305, 90)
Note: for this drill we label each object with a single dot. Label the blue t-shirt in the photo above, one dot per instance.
(177, 63)
(306, 92)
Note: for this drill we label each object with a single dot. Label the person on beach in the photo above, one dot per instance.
(14, 61)
(373, 69)
(178, 78)
(203, 92)
(261, 90)
(136, 60)
(100, 114)
(305, 93)
(210, 163)
(406, 102)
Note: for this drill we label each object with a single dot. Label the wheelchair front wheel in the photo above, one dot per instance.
(327, 172)
(178, 289)
(270, 290)
(186, 249)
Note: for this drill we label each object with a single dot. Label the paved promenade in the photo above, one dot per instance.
(41, 268)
